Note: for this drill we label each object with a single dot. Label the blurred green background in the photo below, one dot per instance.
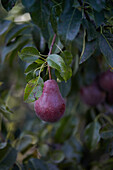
(82, 139)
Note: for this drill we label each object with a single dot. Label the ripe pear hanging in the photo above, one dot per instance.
(50, 106)
(106, 81)
(92, 95)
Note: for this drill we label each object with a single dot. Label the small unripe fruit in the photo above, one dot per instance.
(50, 106)
(106, 81)
(92, 95)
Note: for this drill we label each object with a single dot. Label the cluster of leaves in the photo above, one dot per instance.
(34, 87)
(81, 21)
(83, 137)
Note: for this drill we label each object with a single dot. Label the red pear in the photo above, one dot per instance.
(106, 81)
(50, 106)
(92, 95)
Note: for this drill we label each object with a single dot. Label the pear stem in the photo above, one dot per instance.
(51, 47)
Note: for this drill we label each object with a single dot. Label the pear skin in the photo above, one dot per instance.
(50, 107)
(106, 81)
(92, 95)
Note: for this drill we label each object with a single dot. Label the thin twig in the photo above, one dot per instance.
(51, 47)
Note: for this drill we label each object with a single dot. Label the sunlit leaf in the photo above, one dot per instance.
(33, 90)
(31, 67)
(55, 61)
(67, 57)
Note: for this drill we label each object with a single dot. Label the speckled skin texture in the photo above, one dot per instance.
(50, 106)
(92, 95)
(106, 81)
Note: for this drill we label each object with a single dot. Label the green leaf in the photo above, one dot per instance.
(68, 73)
(106, 47)
(65, 87)
(30, 75)
(52, 166)
(99, 17)
(106, 132)
(92, 135)
(36, 164)
(33, 90)
(76, 64)
(69, 22)
(32, 66)
(17, 44)
(37, 37)
(91, 30)
(59, 78)
(8, 4)
(28, 4)
(88, 51)
(65, 129)
(67, 57)
(8, 109)
(3, 150)
(39, 62)
(4, 25)
(72, 149)
(56, 62)
(5, 113)
(23, 143)
(57, 156)
(53, 19)
(40, 13)
(7, 157)
(98, 5)
(76, 4)
(15, 31)
(29, 54)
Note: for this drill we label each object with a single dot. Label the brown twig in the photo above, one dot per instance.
(51, 47)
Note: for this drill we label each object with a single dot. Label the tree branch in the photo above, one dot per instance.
(51, 47)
